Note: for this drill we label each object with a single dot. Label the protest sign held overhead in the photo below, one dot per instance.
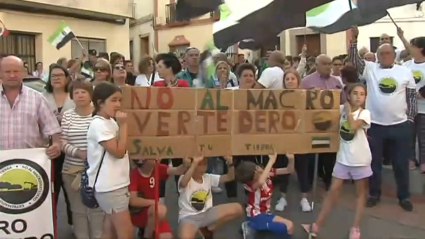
(177, 122)
(25, 194)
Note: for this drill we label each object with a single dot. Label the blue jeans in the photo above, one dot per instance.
(399, 136)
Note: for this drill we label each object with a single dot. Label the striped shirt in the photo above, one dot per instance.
(74, 137)
(28, 122)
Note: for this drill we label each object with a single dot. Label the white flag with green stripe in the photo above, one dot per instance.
(61, 36)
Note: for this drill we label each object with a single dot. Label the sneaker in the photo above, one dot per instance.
(406, 205)
(372, 201)
(354, 233)
(313, 232)
(305, 205)
(216, 190)
(247, 231)
(281, 204)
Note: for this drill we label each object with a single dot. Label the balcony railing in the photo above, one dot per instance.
(171, 16)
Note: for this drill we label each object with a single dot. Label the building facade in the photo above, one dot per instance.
(406, 17)
(175, 36)
(142, 35)
(98, 24)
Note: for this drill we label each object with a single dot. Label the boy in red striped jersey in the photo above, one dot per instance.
(257, 181)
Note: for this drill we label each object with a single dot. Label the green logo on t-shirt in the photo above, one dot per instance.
(388, 85)
(345, 131)
(418, 76)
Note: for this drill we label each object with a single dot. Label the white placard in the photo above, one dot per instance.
(25, 194)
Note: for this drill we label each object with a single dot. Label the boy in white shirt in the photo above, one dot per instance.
(195, 201)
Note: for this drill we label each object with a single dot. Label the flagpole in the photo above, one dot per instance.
(391, 18)
(79, 43)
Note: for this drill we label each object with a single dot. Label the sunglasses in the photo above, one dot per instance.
(119, 67)
(102, 69)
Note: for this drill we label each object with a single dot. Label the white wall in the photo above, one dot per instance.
(404, 17)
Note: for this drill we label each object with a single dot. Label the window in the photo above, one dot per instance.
(179, 50)
(21, 45)
(170, 13)
(131, 49)
(88, 43)
(374, 43)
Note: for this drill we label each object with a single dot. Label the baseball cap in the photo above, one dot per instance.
(92, 52)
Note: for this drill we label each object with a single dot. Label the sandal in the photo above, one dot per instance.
(313, 232)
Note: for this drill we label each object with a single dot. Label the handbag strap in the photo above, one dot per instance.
(98, 170)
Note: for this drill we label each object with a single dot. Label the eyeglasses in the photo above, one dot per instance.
(102, 69)
(119, 67)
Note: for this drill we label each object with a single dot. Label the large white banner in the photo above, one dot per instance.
(25, 194)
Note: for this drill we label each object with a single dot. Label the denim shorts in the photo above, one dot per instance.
(342, 171)
(113, 201)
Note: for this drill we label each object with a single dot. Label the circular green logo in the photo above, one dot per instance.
(318, 10)
(418, 76)
(388, 85)
(345, 132)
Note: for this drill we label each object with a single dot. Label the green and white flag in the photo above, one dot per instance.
(61, 36)
(340, 15)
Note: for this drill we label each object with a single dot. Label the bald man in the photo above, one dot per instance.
(272, 77)
(322, 79)
(392, 103)
(400, 54)
(26, 120)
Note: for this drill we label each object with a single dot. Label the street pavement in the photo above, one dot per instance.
(385, 221)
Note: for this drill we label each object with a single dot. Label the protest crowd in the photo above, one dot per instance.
(382, 115)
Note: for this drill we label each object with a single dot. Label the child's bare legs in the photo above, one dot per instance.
(212, 219)
(150, 225)
(330, 199)
(361, 188)
(121, 222)
(289, 224)
(108, 231)
(226, 212)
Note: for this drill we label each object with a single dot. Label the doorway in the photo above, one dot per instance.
(144, 46)
(312, 41)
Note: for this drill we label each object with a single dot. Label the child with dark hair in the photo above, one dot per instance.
(258, 182)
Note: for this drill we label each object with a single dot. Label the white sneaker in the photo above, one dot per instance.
(305, 205)
(247, 232)
(216, 190)
(281, 204)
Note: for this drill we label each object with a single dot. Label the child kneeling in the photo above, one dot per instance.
(142, 197)
(197, 212)
(257, 181)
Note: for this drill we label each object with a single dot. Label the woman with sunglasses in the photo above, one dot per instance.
(102, 72)
(119, 75)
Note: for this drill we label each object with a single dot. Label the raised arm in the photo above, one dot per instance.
(406, 52)
(230, 176)
(353, 53)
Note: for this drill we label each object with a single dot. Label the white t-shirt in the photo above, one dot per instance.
(418, 71)
(354, 147)
(272, 78)
(196, 197)
(142, 80)
(114, 172)
(386, 92)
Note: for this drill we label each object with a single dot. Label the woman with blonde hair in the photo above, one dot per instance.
(102, 72)
(147, 72)
(221, 78)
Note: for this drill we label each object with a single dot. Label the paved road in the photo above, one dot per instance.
(337, 226)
